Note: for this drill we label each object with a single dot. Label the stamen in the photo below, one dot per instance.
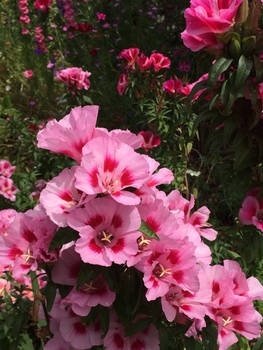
(227, 321)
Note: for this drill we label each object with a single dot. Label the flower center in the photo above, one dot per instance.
(160, 271)
(28, 257)
(143, 242)
(226, 321)
(105, 238)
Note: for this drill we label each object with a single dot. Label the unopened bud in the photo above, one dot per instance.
(235, 48)
(248, 44)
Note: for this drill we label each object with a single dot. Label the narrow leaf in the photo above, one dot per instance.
(147, 231)
(219, 67)
(63, 235)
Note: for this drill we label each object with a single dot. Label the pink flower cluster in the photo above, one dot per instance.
(111, 201)
(205, 19)
(74, 78)
(133, 56)
(24, 18)
(7, 187)
(69, 14)
(40, 40)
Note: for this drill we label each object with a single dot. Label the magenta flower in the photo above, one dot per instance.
(130, 55)
(144, 62)
(70, 134)
(172, 85)
(42, 5)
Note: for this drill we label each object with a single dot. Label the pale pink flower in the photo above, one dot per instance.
(110, 167)
(7, 216)
(251, 212)
(159, 61)
(6, 169)
(7, 188)
(70, 134)
(60, 197)
(74, 78)
(28, 74)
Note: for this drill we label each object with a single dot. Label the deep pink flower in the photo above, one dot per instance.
(42, 5)
(159, 61)
(149, 140)
(122, 84)
(172, 85)
(130, 55)
(144, 62)
(101, 16)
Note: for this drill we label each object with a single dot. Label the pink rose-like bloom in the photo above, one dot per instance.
(205, 18)
(70, 134)
(74, 78)
(24, 31)
(149, 140)
(159, 61)
(122, 84)
(28, 74)
(42, 5)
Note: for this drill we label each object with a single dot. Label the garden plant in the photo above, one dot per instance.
(131, 175)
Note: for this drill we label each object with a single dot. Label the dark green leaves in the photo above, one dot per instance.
(63, 235)
(138, 326)
(147, 231)
(243, 70)
(219, 67)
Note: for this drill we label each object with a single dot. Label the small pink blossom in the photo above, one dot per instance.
(74, 78)
(122, 84)
(101, 16)
(28, 74)
(149, 140)
(172, 85)
(159, 61)
(130, 55)
(42, 5)
(6, 169)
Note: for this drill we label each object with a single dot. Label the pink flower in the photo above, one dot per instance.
(205, 19)
(70, 134)
(101, 16)
(6, 169)
(130, 55)
(7, 188)
(42, 5)
(149, 140)
(110, 232)
(172, 85)
(159, 61)
(110, 167)
(122, 84)
(60, 197)
(28, 74)
(7, 216)
(144, 62)
(251, 212)
(25, 31)
(74, 78)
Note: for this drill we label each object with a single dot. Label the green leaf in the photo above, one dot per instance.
(63, 235)
(64, 290)
(34, 282)
(199, 86)
(219, 67)
(259, 344)
(243, 70)
(209, 337)
(147, 231)
(86, 274)
(139, 326)
(49, 291)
